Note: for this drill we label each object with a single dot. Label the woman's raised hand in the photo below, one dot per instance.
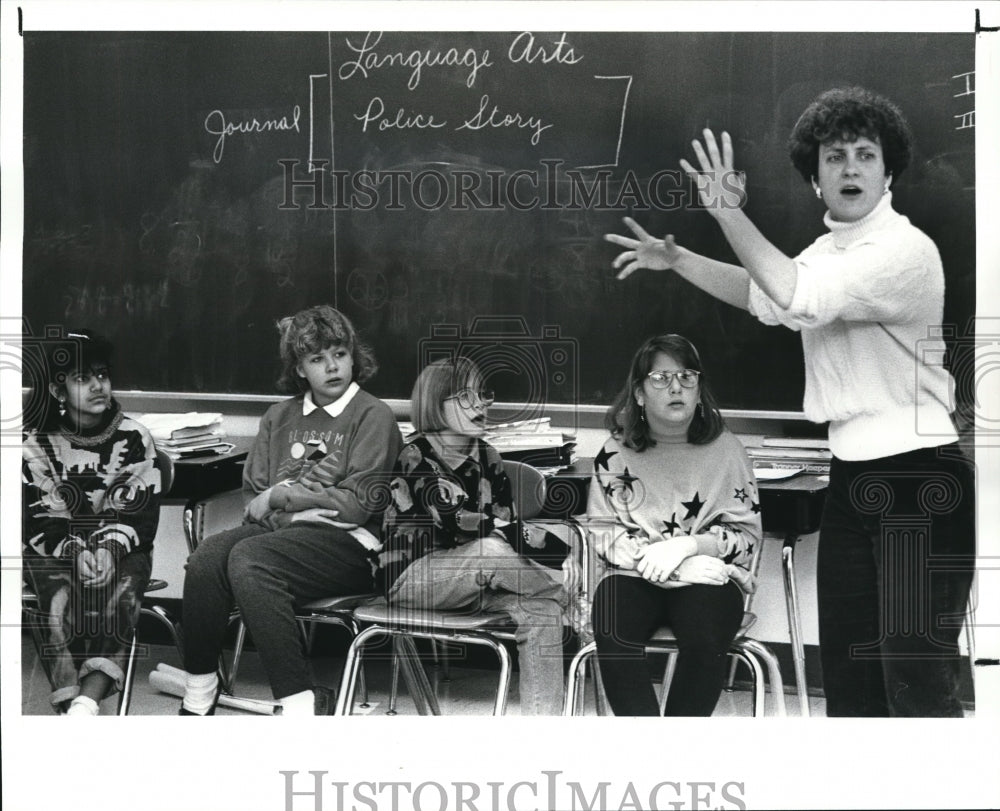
(720, 187)
(644, 251)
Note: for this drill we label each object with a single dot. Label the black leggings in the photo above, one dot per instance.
(705, 619)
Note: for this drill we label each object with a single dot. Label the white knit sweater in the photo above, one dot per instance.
(868, 301)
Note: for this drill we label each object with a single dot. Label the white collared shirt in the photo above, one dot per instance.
(334, 409)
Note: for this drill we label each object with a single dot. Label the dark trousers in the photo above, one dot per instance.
(266, 575)
(704, 619)
(896, 559)
(85, 629)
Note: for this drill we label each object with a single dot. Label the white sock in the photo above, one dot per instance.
(83, 705)
(199, 692)
(300, 704)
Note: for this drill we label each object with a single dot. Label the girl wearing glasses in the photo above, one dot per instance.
(867, 298)
(678, 496)
(452, 539)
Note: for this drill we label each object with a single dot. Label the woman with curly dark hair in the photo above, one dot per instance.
(897, 541)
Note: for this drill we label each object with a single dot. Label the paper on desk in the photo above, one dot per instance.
(765, 474)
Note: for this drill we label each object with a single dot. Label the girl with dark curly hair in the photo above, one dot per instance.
(897, 540)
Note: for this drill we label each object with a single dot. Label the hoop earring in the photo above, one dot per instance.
(62, 406)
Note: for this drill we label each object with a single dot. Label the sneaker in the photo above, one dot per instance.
(211, 710)
(326, 700)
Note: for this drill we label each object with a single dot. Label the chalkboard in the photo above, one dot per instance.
(185, 190)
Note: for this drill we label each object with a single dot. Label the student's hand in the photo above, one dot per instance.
(86, 566)
(746, 580)
(104, 569)
(720, 187)
(656, 562)
(643, 252)
(321, 515)
(703, 569)
(259, 506)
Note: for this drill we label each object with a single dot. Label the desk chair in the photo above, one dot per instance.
(746, 649)
(37, 621)
(489, 629)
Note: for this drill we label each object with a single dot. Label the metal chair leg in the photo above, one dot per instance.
(668, 677)
(574, 680)
(125, 697)
(416, 677)
(764, 653)
(160, 615)
(756, 681)
(241, 635)
(394, 689)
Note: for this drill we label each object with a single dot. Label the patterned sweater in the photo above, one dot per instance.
(97, 489)
(437, 507)
(331, 462)
(868, 301)
(706, 491)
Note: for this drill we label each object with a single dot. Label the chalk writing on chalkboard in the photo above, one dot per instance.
(966, 120)
(184, 190)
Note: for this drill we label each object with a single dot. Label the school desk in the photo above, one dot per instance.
(202, 476)
(790, 508)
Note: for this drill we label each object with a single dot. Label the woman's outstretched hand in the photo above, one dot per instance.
(720, 187)
(644, 251)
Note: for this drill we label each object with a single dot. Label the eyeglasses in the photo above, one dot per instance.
(467, 398)
(688, 378)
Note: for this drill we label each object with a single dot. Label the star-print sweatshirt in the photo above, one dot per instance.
(97, 489)
(329, 462)
(675, 488)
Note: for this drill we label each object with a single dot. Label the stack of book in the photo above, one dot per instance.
(791, 454)
(186, 436)
(534, 442)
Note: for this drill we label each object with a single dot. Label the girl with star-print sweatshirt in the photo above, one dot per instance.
(681, 517)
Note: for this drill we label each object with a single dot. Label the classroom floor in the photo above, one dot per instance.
(468, 691)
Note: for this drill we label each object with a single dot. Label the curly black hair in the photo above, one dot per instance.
(849, 113)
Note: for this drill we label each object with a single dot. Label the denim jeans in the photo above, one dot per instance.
(489, 575)
(266, 574)
(86, 630)
(896, 559)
